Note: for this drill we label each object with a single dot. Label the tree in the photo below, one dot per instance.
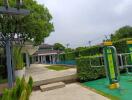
(80, 48)
(36, 26)
(69, 50)
(123, 32)
(58, 46)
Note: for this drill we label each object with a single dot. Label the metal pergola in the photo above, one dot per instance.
(7, 40)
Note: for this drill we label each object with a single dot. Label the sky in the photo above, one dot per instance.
(78, 21)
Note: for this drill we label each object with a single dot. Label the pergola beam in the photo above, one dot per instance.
(14, 11)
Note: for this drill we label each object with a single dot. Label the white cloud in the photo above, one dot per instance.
(123, 6)
(78, 21)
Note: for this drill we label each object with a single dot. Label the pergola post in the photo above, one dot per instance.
(8, 63)
(27, 60)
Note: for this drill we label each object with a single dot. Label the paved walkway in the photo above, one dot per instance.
(73, 91)
(70, 92)
(40, 73)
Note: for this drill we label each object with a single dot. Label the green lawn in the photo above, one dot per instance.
(58, 67)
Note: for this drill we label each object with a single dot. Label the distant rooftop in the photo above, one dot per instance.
(45, 46)
(48, 52)
(46, 49)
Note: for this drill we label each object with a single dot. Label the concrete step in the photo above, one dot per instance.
(52, 86)
(65, 78)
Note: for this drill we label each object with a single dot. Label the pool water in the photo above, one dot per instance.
(123, 93)
(67, 62)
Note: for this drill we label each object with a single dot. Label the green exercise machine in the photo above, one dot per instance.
(111, 65)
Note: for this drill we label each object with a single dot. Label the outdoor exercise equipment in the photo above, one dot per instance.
(129, 43)
(125, 59)
(111, 64)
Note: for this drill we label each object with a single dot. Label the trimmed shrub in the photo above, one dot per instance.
(67, 56)
(121, 45)
(89, 51)
(70, 56)
(86, 72)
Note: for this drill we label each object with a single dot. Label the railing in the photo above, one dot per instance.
(124, 61)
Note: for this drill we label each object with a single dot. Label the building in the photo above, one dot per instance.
(46, 55)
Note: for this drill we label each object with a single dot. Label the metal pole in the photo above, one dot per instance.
(8, 63)
(27, 61)
(6, 4)
(13, 67)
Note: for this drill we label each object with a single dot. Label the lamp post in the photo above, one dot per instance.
(6, 40)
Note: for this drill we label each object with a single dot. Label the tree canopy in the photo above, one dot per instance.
(36, 26)
(123, 32)
(58, 46)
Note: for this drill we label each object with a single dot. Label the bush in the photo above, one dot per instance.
(18, 58)
(86, 72)
(67, 56)
(21, 91)
(89, 51)
(121, 45)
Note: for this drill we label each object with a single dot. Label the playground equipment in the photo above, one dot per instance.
(111, 65)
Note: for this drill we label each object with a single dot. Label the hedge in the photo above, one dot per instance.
(67, 56)
(120, 45)
(89, 51)
(86, 72)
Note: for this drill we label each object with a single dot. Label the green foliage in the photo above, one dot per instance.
(23, 95)
(89, 51)
(86, 51)
(30, 82)
(58, 67)
(70, 56)
(121, 45)
(123, 32)
(58, 46)
(6, 95)
(67, 50)
(14, 93)
(84, 64)
(2, 72)
(36, 26)
(62, 57)
(87, 72)
(67, 56)
(21, 91)
(18, 58)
